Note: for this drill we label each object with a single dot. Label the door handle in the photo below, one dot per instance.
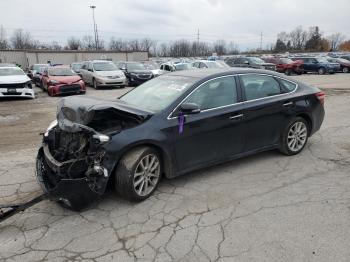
(288, 104)
(236, 116)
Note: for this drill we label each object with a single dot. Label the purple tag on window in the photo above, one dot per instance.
(181, 123)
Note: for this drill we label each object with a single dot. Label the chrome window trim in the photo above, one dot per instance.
(237, 103)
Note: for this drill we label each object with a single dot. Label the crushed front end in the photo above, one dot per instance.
(73, 166)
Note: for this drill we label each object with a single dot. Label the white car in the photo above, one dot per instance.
(209, 64)
(99, 73)
(15, 83)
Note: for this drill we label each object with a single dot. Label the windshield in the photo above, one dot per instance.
(151, 66)
(255, 60)
(76, 66)
(37, 67)
(13, 71)
(180, 67)
(213, 65)
(135, 66)
(61, 72)
(158, 93)
(322, 60)
(286, 61)
(105, 66)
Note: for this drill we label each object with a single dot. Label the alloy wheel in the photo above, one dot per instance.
(345, 70)
(297, 136)
(146, 175)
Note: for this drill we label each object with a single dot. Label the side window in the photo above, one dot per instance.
(196, 64)
(83, 66)
(259, 86)
(202, 65)
(215, 93)
(288, 85)
(90, 66)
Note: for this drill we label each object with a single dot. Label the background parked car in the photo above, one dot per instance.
(318, 65)
(252, 62)
(171, 67)
(60, 80)
(38, 75)
(101, 73)
(344, 64)
(34, 68)
(15, 83)
(208, 64)
(154, 67)
(135, 72)
(347, 57)
(286, 65)
(76, 67)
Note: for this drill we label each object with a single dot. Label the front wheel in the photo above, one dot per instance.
(294, 137)
(138, 174)
(94, 84)
(288, 71)
(345, 70)
(321, 71)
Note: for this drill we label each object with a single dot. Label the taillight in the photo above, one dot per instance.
(321, 96)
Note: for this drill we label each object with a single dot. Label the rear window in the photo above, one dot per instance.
(288, 85)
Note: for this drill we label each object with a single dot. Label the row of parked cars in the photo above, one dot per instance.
(296, 65)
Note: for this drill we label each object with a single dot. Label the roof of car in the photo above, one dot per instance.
(201, 73)
(7, 65)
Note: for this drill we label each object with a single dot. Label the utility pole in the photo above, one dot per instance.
(261, 35)
(197, 41)
(95, 26)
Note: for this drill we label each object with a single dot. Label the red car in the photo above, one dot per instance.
(286, 65)
(59, 80)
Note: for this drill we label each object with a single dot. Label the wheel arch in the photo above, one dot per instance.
(164, 155)
(307, 119)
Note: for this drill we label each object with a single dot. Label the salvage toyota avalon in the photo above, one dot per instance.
(169, 126)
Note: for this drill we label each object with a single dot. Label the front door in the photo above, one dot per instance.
(217, 132)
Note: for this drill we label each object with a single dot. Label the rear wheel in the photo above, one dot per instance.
(294, 137)
(138, 174)
(345, 70)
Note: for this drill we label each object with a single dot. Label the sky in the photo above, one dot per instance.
(240, 21)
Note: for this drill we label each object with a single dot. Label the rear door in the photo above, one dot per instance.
(266, 111)
(217, 132)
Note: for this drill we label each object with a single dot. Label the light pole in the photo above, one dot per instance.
(95, 26)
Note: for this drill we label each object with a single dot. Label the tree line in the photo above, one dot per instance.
(298, 40)
(311, 40)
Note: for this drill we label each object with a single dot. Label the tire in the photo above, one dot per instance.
(131, 178)
(321, 71)
(288, 72)
(288, 147)
(345, 70)
(94, 84)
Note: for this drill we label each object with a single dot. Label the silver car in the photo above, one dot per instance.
(100, 73)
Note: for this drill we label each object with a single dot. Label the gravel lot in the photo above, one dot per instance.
(266, 207)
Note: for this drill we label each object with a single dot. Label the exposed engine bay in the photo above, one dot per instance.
(70, 163)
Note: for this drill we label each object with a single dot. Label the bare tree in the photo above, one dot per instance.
(118, 45)
(298, 38)
(88, 42)
(232, 48)
(335, 40)
(21, 39)
(73, 43)
(146, 44)
(3, 41)
(55, 46)
(220, 47)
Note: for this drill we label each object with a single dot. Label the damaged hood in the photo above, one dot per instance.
(75, 113)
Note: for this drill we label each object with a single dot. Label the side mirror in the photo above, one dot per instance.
(89, 69)
(123, 68)
(246, 62)
(190, 108)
